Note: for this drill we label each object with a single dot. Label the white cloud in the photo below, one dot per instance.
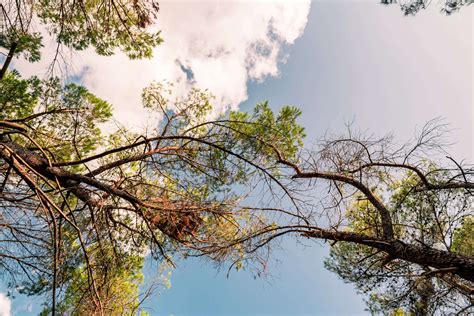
(224, 44)
(5, 305)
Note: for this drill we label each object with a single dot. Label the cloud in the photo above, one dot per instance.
(215, 45)
(5, 305)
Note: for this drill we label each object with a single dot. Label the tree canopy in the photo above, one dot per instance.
(412, 7)
(105, 25)
(81, 209)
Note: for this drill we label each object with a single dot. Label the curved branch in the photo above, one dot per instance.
(382, 209)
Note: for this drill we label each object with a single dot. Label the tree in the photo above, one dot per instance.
(396, 285)
(391, 212)
(411, 7)
(79, 211)
(399, 224)
(105, 25)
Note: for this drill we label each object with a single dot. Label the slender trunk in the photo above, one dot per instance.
(11, 52)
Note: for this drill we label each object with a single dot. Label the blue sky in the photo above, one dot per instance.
(355, 61)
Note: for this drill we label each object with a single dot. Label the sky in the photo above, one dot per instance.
(338, 61)
(224, 44)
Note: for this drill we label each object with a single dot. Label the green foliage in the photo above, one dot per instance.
(385, 284)
(395, 287)
(18, 97)
(105, 25)
(463, 238)
(28, 44)
(228, 144)
(264, 131)
(68, 115)
(117, 279)
(363, 218)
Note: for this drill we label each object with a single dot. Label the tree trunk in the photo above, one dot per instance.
(11, 52)
(462, 266)
(435, 258)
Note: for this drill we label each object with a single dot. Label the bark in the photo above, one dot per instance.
(462, 266)
(67, 179)
(8, 60)
(177, 221)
